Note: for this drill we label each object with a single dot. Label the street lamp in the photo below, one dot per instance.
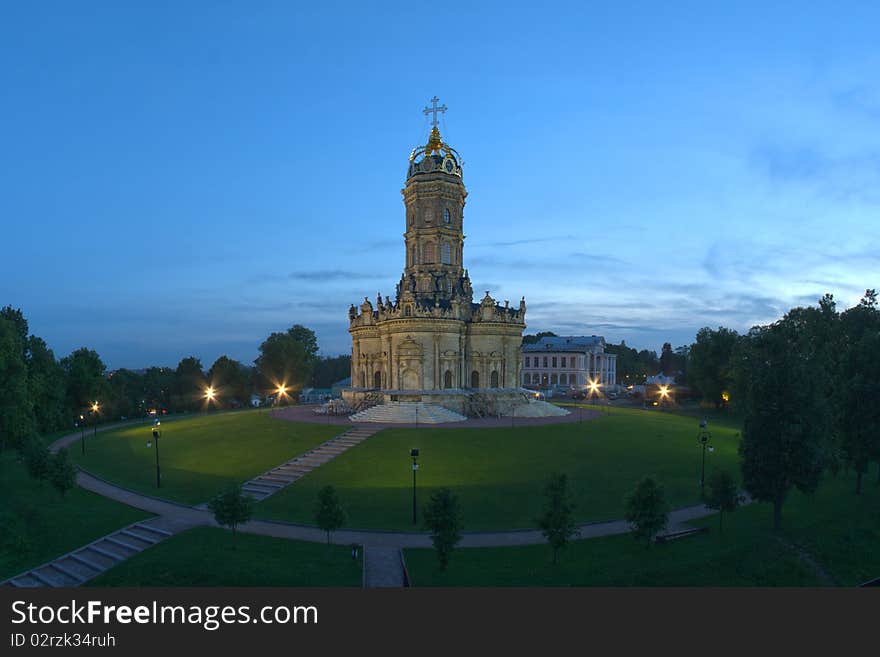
(156, 433)
(95, 408)
(704, 439)
(414, 453)
(281, 391)
(209, 396)
(82, 432)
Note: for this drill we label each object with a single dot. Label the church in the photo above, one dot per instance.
(432, 342)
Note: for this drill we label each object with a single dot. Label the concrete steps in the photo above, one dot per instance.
(408, 413)
(82, 564)
(285, 474)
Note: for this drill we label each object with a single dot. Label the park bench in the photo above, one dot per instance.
(672, 536)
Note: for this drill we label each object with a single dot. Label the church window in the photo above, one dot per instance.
(446, 253)
(377, 380)
(475, 379)
(447, 379)
(430, 255)
(407, 311)
(446, 217)
(494, 379)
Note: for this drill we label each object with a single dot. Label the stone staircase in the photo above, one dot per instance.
(407, 413)
(285, 474)
(82, 564)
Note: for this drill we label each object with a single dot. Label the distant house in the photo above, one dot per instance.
(314, 395)
(336, 388)
(568, 361)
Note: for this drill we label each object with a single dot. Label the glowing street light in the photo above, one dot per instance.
(209, 393)
(281, 391)
(82, 432)
(95, 407)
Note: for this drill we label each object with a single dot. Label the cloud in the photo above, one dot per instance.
(859, 100)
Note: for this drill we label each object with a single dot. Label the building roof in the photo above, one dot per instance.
(582, 343)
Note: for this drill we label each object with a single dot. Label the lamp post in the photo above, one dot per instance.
(156, 433)
(82, 432)
(95, 408)
(414, 453)
(704, 439)
(209, 397)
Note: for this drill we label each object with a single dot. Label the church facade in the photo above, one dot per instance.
(433, 340)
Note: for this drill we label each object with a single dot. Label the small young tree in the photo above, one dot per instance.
(443, 517)
(36, 458)
(329, 514)
(62, 473)
(557, 524)
(723, 495)
(646, 510)
(232, 508)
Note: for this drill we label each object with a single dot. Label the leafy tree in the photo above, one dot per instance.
(231, 507)
(667, 360)
(46, 386)
(188, 389)
(558, 524)
(86, 380)
(443, 517)
(288, 358)
(646, 510)
(158, 382)
(329, 514)
(709, 363)
(62, 473)
(127, 396)
(20, 325)
(232, 379)
(36, 457)
(532, 339)
(723, 495)
(785, 429)
(329, 370)
(16, 408)
(856, 392)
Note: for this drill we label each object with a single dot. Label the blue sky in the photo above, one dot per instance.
(185, 178)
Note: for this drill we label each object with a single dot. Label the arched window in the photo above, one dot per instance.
(377, 380)
(446, 217)
(494, 379)
(446, 253)
(475, 379)
(447, 379)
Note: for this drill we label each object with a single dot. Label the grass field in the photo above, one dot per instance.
(198, 454)
(499, 474)
(830, 538)
(37, 524)
(207, 556)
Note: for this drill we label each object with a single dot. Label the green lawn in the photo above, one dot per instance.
(198, 454)
(37, 524)
(832, 537)
(499, 474)
(207, 556)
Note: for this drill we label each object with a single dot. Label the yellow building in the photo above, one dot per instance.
(432, 342)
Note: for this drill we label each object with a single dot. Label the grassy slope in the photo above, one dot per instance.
(198, 454)
(37, 524)
(839, 533)
(209, 557)
(499, 474)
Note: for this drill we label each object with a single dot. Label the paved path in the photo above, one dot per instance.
(173, 518)
(383, 568)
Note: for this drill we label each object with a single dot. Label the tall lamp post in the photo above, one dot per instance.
(156, 433)
(414, 453)
(95, 408)
(704, 439)
(209, 396)
(82, 432)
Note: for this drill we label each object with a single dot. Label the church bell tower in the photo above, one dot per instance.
(434, 197)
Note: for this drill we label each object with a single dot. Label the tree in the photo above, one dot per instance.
(646, 510)
(667, 360)
(158, 382)
(86, 380)
(443, 517)
(62, 473)
(36, 457)
(231, 507)
(232, 380)
(188, 389)
(46, 386)
(329, 514)
(856, 389)
(723, 495)
(288, 358)
(16, 408)
(329, 370)
(709, 363)
(558, 524)
(784, 403)
(532, 339)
